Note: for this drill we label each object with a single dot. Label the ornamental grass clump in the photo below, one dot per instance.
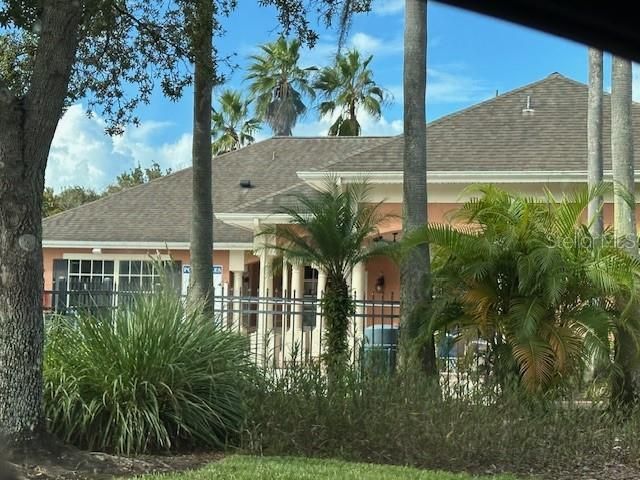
(155, 375)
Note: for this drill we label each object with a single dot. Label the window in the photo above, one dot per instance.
(145, 276)
(310, 290)
(137, 276)
(310, 285)
(90, 274)
(90, 283)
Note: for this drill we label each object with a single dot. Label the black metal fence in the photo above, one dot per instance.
(287, 329)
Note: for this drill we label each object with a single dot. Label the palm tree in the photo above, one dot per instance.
(348, 86)
(527, 275)
(231, 127)
(331, 229)
(279, 85)
(594, 137)
(415, 293)
(624, 210)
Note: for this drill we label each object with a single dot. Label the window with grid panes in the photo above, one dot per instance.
(90, 282)
(145, 276)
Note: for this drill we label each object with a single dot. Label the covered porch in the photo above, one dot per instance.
(278, 305)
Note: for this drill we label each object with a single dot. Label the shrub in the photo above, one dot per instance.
(401, 419)
(155, 375)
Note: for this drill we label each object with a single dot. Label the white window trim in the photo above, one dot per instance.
(114, 256)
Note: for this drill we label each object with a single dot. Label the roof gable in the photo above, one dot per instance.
(496, 135)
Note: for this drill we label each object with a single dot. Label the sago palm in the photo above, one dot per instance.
(331, 230)
(279, 85)
(232, 128)
(528, 275)
(347, 86)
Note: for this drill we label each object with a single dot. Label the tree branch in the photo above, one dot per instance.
(152, 29)
(55, 55)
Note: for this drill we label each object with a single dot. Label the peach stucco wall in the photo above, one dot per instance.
(387, 267)
(436, 212)
(219, 257)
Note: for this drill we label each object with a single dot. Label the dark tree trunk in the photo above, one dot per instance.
(27, 126)
(594, 138)
(415, 270)
(202, 210)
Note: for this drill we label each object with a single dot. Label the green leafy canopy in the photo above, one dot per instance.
(527, 274)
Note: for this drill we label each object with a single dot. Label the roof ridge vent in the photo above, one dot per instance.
(528, 109)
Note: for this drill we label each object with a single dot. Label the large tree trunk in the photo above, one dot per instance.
(415, 288)
(594, 138)
(27, 126)
(201, 287)
(623, 391)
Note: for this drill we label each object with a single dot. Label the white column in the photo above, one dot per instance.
(318, 331)
(265, 318)
(237, 304)
(357, 289)
(236, 267)
(294, 335)
(285, 312)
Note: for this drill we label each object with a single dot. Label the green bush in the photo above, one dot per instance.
(402, 419)
(153, 376)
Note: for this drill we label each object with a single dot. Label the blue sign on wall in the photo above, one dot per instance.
(216, 269)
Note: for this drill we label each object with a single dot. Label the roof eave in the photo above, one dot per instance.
(317, 179)
(140, 245)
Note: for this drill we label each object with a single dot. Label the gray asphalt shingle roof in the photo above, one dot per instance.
(494, 135)
(160, 211)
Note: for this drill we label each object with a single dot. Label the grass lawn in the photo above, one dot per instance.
(250, 468)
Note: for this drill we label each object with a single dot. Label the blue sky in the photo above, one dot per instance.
(469, 57)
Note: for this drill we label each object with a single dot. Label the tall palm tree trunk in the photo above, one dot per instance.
(623, 389)
(415, 271)
(201, 249)
(594, 139)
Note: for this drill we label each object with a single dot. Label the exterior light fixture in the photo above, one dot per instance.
(380, 283)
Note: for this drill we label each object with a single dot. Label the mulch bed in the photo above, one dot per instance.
(67, 463)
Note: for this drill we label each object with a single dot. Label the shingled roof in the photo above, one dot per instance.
(160, 211)
(497, 135)
(492, 136)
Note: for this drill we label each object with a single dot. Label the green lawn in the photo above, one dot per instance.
(252, 468)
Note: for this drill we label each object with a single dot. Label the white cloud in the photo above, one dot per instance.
(451, 87)
(448, 84)
(324, 52)
(388, 7)
(82, 154)
(370, 45)
(320, 55)
(369, 125)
